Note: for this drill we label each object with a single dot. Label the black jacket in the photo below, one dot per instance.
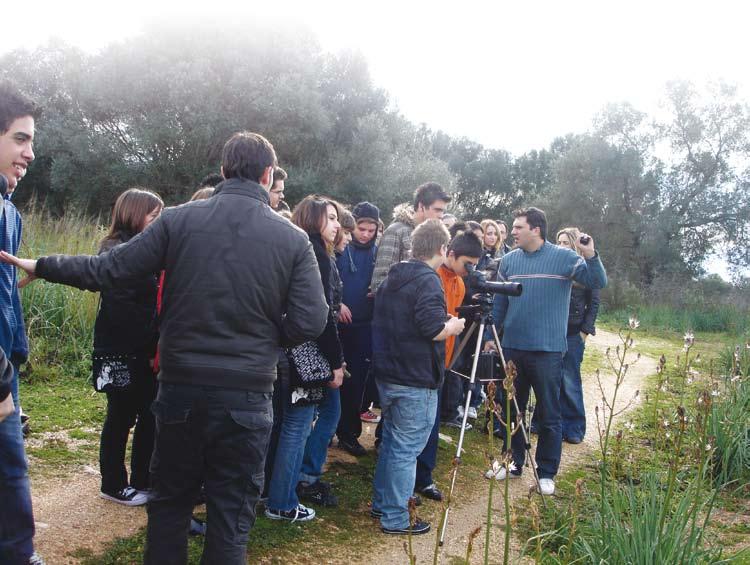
(126, 322)
(240, 281)
(584, 306)
(409, 312)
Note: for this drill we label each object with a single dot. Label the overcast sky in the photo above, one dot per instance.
(509, 75)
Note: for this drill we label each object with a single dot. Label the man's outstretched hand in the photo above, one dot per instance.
(26, 265)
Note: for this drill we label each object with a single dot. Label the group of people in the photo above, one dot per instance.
(238, 337)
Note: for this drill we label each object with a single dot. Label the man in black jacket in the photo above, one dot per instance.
(240, 281)
(410, 326)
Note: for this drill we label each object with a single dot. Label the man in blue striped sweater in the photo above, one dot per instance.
(535, 326)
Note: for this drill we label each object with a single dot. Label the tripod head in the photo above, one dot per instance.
(480, 311)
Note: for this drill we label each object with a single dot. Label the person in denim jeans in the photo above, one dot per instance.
(17, 121)
(409, 331)
(535, 325)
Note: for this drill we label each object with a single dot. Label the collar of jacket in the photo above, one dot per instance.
(243, 187)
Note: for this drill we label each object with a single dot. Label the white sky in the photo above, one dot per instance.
(509, 75)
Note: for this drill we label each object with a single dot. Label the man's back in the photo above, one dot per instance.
(233, 269)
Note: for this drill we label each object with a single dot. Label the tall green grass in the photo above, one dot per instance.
(59, 319)
(699, 318)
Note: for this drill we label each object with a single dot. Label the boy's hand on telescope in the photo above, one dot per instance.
(27, 265)
(489, 346)
(455, 325)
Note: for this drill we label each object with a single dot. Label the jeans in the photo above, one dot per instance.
(542, 371)
(281, 394)
(427, 459)
(316, 447)
(209, 436)
(125, 409)
(356, 341)
(571, 392)
(295, 427)
(16, 517)
(408, 417)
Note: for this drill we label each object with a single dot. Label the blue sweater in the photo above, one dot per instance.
(12, 332)
(538, 319)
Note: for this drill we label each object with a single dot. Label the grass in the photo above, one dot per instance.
(699, 317)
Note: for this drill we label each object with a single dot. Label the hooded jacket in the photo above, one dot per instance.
(409, 312)
(355, 266)
(395, 245)
(241, 281)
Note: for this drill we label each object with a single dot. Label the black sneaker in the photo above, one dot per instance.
(36, 559)
(431, 492)
(419, 527)
(317, 493)
(376, 513)
(457, 423)
(300, 514)
(127, 496)
(352, 446)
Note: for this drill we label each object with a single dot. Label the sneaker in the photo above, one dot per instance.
(472, 413)
(317, 493)
(376, 513)
(573, 440)
(197, 527)
(370, 417)
(300, 514)
(500, 474)
(431, 492)
(547, 486)
(352, 446)
(457, 424)
(415, 529)
(148, 493)
(127, 496)
(36, 559)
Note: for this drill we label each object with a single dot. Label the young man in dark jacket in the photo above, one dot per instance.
(409, 331)
(241, 281)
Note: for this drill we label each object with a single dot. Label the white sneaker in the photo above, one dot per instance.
(472, 413)
(547, 486)
(498, 472)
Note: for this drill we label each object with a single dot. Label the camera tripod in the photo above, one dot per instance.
(482, 313)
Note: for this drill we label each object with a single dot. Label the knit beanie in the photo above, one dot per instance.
(366, 211)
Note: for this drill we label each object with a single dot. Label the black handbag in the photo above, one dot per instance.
(309, 371)
(112, 372)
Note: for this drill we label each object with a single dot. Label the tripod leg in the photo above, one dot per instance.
(462, 433)
(526, 442)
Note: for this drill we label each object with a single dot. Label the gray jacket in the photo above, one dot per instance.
(240, 281)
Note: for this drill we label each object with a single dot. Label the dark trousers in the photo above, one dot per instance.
(542, 371)
(16, 517)
(281, 395)
(356, 341)
(211, 436)
(125, 409)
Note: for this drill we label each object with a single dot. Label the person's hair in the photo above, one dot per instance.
(130, 209)
(347, 223)
(573, 234)
(246, 155)
(427, 239)
(492, 224)
(465, 244)
(279, 174)
(311, 215)
(428, 193)
(285, 214)
(535, 217)
(463, 225)
(381, 226)
(282, 206)
(211, 179)
(449, 216)
(501, 223)
(14, 105)
(203, 193)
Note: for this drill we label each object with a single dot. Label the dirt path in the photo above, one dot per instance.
(471, 513)
(71, 517)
